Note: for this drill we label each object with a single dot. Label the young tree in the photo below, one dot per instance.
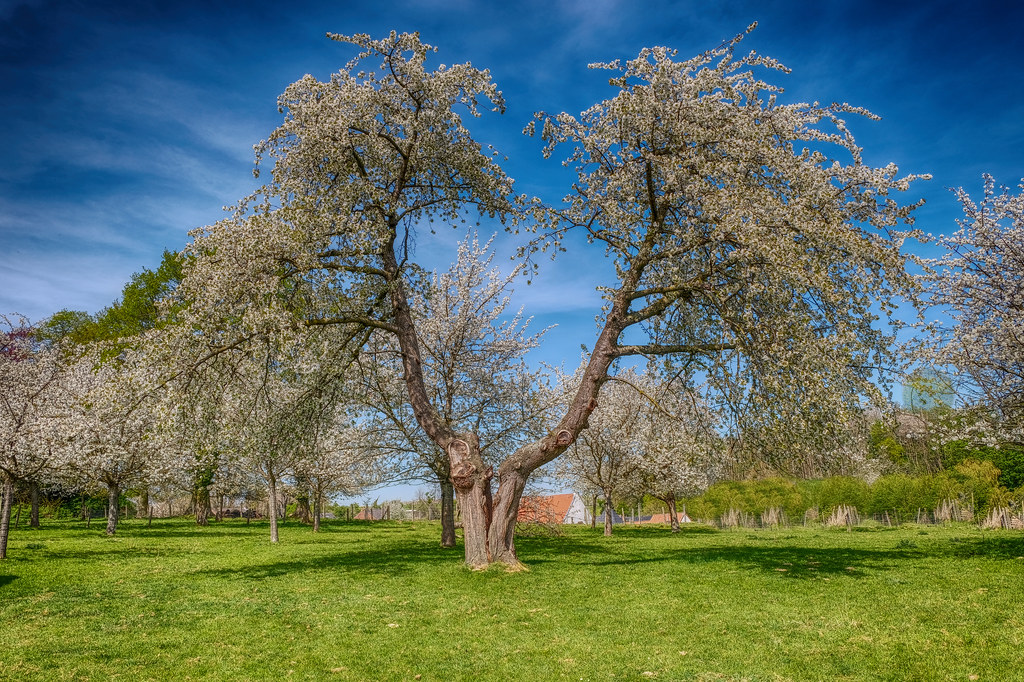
(607, 456)
(681, 452)
(980, 282)
(474, 367)
(742, 250)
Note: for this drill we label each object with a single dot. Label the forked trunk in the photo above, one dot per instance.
(5, 515)
(447, 513)
(113, 508)
(608, 511)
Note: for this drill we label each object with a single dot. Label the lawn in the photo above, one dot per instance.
(382, 601)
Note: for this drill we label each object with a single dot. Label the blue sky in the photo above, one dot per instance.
(125, 124)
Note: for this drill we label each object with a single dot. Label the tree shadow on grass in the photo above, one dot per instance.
(787, 561)
(396, 558)
(998, 545)
(185, 528)
(6, 580)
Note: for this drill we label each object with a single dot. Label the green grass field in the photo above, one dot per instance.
(383, 602)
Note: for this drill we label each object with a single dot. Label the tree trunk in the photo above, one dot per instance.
(144, 502)
(113, 508)
(203, 506)
(506, 513)
(33, 493)
(447, 513)
(302, 508)
(472, 482)
(272, 504)
(5, 515)
(593, 513)
(670, 500)
(317, 510)
(608, 511)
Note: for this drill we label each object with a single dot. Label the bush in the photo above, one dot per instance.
(1009, 460)
(750, 497)
(905, 495)
(840, 491)
(980, 482)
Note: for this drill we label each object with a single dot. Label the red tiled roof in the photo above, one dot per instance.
(667, 518)
(544, 509)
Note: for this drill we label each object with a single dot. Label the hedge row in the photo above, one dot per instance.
(973, 484)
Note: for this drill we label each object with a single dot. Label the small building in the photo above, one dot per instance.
(666, 519)
(566, 508)
(370, 514)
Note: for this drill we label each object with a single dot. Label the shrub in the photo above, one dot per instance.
(842, 491)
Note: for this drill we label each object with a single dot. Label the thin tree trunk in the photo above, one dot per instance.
(272, 505)
(670, 500)
(144, 502)
(317, 508)
(5, 515)
(33, 493)
(447, 513)
(302, 509)
(608, 511)
(593, 513)
(113, 510)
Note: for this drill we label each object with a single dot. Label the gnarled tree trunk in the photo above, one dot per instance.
(471, 479)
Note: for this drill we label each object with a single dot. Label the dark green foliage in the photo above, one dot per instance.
(136, 312)
(75, 326)
(883, 444)
(1008, 459)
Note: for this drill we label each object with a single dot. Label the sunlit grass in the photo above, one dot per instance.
(383, 601)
